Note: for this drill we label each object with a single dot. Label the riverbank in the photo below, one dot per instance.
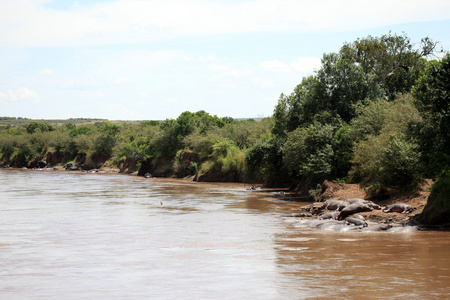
(417, 199)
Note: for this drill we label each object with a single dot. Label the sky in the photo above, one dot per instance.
(154, 59)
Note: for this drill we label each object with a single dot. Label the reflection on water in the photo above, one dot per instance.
(79, 236)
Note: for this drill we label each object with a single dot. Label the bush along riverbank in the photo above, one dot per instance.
(375, 114)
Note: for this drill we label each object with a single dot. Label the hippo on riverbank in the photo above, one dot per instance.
(355, 221)
(328, 224)
(378, 227)
(299, 215)
(398, 207)
(353, 209)
(335, 205)
(329, 215)
(355, 200)
(71, 167)
(363, 201)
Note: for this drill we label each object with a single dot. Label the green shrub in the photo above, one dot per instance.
(441, 192)
(207, 166)
(308, 151)
(385, 151)
(265, 160)
(388, 159)
(85, 143)
(202, 144)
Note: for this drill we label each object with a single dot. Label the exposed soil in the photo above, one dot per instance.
(416, 198)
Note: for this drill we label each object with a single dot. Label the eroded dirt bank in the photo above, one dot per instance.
(378, 200)
(417, 199)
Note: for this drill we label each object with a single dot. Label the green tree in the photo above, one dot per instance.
(264, 160)
(335, 89)
(33, 126)
(308, 151)
(386, 152)
(394, 60)
(106, 141)
(432, 98)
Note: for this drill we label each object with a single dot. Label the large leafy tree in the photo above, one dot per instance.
(394, 60)
(385, 153)
(432, 98)
(308, 151)
(335, 89)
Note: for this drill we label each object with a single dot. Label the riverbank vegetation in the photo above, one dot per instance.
(376, 113)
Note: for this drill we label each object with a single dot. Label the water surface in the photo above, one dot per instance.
(67, 235)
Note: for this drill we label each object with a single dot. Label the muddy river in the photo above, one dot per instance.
(67, 235)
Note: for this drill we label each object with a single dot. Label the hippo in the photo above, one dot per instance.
(335, 205)
(41, 164)
(359, 217)
(330, 225)
(363, 201)
(71, 167)
(324, 224)
(354, 200)
(329, 215)
(353, 209)
(355, 221)
(404, 229)
(299, 215)
(378, 227)
(398, 207)
(373, 205)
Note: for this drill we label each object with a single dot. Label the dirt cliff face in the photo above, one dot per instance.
(54, 158)
(129, 166)
(217, 175)
(162, 167)
(185, 160)
(339, 191)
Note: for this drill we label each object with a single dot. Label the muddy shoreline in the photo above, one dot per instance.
(396, 221)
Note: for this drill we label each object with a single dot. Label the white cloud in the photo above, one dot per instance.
(226, 70)
(92, 94)
(122, 79)
(144, 95)
(135, 60)
(22, 93)
(79, 83)
(46, 71)
(207, 59)
(29, 23)
(275, 66)
(3, 97)
(301, 65)
(262, 83)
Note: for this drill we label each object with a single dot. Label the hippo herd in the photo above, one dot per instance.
(341, 215)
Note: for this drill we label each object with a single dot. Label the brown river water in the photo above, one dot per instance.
(67, 235)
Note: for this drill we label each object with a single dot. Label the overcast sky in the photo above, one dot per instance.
(152, 60)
